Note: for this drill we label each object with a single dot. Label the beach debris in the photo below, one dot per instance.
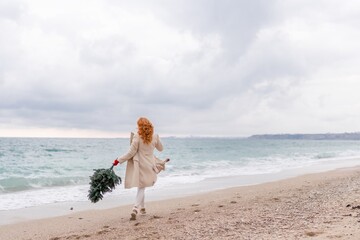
(102, 181)
(356, 207)
(349, 205)
(71, 208)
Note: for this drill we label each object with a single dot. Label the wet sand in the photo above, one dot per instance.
(314, 206)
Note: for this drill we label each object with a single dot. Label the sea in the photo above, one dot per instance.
(41, 171)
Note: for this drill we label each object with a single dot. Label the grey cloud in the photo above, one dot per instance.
(237, 22)
(107, 81)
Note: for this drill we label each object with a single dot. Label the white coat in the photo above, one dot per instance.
(141, 162)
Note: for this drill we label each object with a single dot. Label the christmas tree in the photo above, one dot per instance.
(103, 181)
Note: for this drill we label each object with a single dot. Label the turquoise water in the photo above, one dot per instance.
(36, 171)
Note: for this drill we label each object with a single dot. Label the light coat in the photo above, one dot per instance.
(141, 162)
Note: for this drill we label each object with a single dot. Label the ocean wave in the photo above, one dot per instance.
(17, 184)
(36, 197)
(325, 155)
(59, 150)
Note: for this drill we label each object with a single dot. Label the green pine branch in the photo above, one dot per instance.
(101, 182)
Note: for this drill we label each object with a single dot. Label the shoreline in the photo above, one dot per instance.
(311, 205)
(156, 193)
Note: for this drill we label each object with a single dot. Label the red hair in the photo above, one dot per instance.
(145, 129)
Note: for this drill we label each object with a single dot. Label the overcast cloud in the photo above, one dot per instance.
(218, 68)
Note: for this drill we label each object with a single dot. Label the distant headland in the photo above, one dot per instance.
(317, 136)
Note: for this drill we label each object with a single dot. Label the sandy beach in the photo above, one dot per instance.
(314, 206)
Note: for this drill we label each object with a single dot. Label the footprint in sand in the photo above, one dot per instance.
(312, 233)
(102, 232)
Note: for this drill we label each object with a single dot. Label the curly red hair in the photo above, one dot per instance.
(145, 129)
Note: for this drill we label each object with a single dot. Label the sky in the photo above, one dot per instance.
(91, 68)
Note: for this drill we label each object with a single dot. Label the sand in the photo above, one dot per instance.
(313, 206)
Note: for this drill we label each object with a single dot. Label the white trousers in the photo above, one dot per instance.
(140, 198)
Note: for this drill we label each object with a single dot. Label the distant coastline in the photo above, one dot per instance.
(318, 136)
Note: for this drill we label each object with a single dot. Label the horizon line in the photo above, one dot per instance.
(178, 136)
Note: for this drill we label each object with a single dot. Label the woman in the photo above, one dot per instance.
(141, 165)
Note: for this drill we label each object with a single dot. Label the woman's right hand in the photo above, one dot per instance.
(116, 162)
